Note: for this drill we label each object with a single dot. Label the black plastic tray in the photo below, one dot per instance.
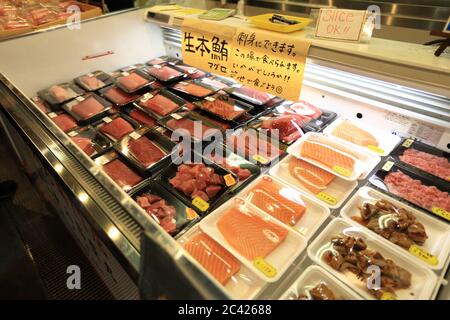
(148, 70)
(140, 73)
(106, 104)
(377, 180)
(166, 93)
(131, 97)
(96, 125)
(100, 75)
(101, 144)
(185, 216)
(47, 96)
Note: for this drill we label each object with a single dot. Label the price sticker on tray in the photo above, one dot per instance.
(266, 268)
(146, 97)
(327, 198)
(441, 212)
(408, 143)
(72, 134)
(229, 180)
(342, 171)
(135, 135)
(260, 159)
(201, 204)
(107, 119)
(52, 115)
(388, 296)
(423, 255)
(375, 149)
(176, 116)
(388, 166)
(191, 214)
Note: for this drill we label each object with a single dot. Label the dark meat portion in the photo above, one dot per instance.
(159, 210)
(319, 292)
(395, 224)
(242, 174)
(197, 180)
(351, 253)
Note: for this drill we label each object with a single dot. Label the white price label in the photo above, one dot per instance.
(107, 119)
(135, 135)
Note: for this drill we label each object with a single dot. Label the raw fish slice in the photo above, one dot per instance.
(145, 151)
(438, 166)
(213, 257)
(254, 94)
(275, 201)
(224, 109)
(249, 234)
(160, 104)
(119, 97)
(132, 82)
(65, 122)
(92, 82)
(85, 144)
(143, 118)
(164, 73)
(193, 89)
(88, 108)
(313, 178)
(354, 134)
(121, 174)
(118, 128)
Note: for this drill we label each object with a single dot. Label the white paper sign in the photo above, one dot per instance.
(340, 24)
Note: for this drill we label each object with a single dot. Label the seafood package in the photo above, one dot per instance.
(286, 204)
(133, 80)
(160, 103)
(147, 150)
(426, 193)
(117, 96)
(425, 238)
(251, 95)
(362, 135)
(424, 157)
(317, 284)
(87, 108)
(63, 120)
(239, 281)
(169, 212)
(136, 113)
(223, 106)
(118, 170)
(259, 241)
(192, 89)
(89, 140)
(164, 73)
(94, 81)
(60, 93)
(116, 127)
(41, 104)
(356, 256)
(330, 189)
(333, 156)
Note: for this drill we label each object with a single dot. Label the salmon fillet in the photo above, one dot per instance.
(354, 134)
(249, 234)
(311, 177)
(213, 257)
(329, 154)
(268, 197)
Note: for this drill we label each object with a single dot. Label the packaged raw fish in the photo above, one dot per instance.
(94, 81)
(218, 83)
(198, 184)
(191, 72)
(118, 171)
(117, 96)
(251, 95)
(41, 104)
(142, 117)
(89, 140)
(146, 149)
(193, 89)
(238, 280)
(424, 157)
(352, 254)
(169, 212)
(162, 60)
(363, 135)
(116, 127)
(317, 284)
(132, 81)
(333, 156)
(60, 93)
(427, 239)
(160, 103)
(286, 204)
(254, 146)
(164, 73)
(64, 121)
(87, 108)
(331, 190)
(223, 106)
(429, 194)
(254, 237)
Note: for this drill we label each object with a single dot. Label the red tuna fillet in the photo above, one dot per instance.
(253, 94)
(119, 97)
(188, 125)
(92, 82)
(118, 128)
(88, 108)
(224, 109)
(288, 126)
(85, 144)
(121, 174)
(160, 105)
(159, 210)
(145, 151)
(132, 82)
(164, 73)
(143, 118)
(65, 122)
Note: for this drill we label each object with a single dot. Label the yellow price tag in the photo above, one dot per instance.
(388, 165)
(441, 212)
(422, 254)
(260, 159)
(229, 180)
(200, 204)
(342, 171)
(375, 149)
(191, 214)
(266, 268)
(327, 198)
(388, 296)
(408, 143)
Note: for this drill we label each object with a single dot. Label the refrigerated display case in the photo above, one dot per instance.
(400, 89)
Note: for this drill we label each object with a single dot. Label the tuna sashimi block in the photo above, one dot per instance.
(115, 129)
(122, 174)
(287, 204)
(237, 279)
(117, 96)
(93, 81)
(64, 121)
(262, 243)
